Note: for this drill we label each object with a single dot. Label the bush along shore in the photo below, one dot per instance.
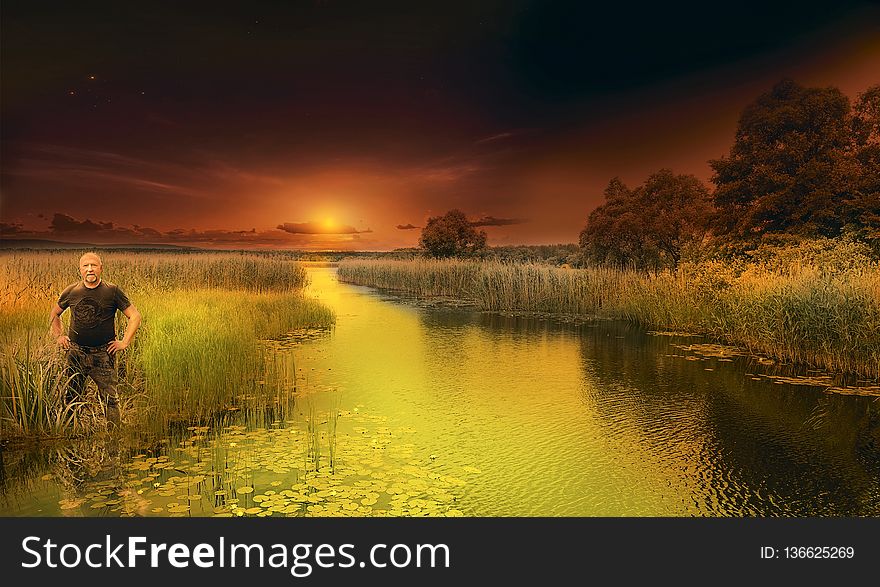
(200, 350)
(816, 311)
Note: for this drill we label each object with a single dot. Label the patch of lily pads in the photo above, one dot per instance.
(287, 469)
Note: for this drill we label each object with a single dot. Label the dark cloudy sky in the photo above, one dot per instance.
(345, 125)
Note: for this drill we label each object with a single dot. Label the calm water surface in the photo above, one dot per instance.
(448, 411)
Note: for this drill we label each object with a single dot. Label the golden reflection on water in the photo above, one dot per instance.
(501, 402)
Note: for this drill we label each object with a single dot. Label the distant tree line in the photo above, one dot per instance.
(453, 235)
(559, 254)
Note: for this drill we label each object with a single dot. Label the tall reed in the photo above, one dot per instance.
(32, 387)
(799, 313)
(28, 275)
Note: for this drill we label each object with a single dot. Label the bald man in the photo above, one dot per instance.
(92, 346)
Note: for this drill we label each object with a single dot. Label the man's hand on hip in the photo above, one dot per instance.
(116, 345)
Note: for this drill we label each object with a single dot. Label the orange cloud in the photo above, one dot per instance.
(492, 221)
(318, 228)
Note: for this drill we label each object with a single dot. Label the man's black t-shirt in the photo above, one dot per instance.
(93, 312)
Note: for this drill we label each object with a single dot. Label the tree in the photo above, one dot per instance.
(791, 168)
(451, 235)
(649, 226)
(864, 214)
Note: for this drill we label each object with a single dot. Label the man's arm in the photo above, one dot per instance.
(56, 328)
(134, 320)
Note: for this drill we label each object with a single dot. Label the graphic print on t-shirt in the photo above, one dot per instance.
(86, 314)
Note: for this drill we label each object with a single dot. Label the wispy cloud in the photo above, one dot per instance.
(406, 226)
(492, 221)
(496, 137)
(92, 168)
(446, 173)
(471, 159)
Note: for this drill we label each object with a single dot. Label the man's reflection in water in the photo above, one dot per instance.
(90, 468)
(77, 465)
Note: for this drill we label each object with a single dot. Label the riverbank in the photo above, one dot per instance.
(822, 316)
(200, 349)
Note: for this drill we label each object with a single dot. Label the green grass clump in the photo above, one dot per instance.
(32, 395)
(200, 350)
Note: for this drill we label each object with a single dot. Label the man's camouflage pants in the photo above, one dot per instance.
(99, 364)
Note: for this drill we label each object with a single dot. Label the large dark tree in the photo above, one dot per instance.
(865, 211)
(647, 227)
(452, 235)
(794, 166)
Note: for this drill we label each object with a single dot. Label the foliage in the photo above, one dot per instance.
(201, 350)
(647, 227)
(825, 255)
(866, 135)
(803, 162)
(451, 235)
(32, 385)
(561, 254)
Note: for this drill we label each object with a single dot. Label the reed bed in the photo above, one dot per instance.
(826, 318)
(32, 391)
(199, 349)
(28, 276)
